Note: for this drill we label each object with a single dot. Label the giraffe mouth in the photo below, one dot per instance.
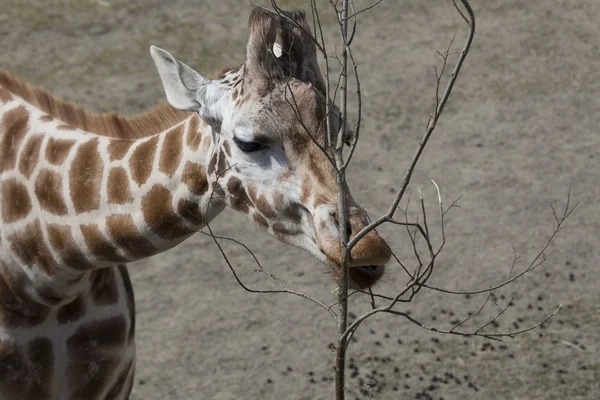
(364, 277)
(375, 271)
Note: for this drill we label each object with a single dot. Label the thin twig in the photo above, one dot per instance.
(498, 315)
(248, 289)
(492, 336)
(461, 323)
(430, 128)
(538, 260)
(353, 15)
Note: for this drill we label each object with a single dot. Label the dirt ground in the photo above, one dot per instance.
(520, 129)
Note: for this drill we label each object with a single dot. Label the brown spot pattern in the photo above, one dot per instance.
(71, 312)
(122, 384)
(194, 136)
(26, 371)
(30, 247)
(322, 199)
(48, 190)
(13, 128)
(281, 229)
(263, 205)
(141, 160)
(57, 150)
(218, 190)
(239, 198)
(159, 214)
(194, 177)
(30, 155)
(190, 211)
(293, 212)
(98, 245)
(278, 200)
(130, 301)
(94, 351)
(104, 288)
(109, 333)
(16, 203)
(206, 142)
(46, 118)
(227, 148)
(61, 239)
(15, 310)
(125, 235)
(5, 95)
(118, 186)
(212, 165)
(118, 148)
(49, 295)
(170, 155)
(252, 192)
(260, 220)
(85, 177)
(223, 164)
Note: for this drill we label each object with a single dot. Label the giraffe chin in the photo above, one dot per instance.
(363, 277)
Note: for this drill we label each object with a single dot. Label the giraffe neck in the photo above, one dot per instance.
(75, 201)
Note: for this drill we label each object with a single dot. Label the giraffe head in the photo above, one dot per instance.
(268, 119)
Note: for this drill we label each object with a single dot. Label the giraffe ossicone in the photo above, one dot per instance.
(82, 194)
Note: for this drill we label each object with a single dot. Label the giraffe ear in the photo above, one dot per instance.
(185, 88)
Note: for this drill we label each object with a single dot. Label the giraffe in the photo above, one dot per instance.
(83, 194)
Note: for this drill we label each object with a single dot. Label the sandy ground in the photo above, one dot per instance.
(520, 129)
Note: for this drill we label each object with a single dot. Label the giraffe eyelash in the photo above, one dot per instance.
(248, 147)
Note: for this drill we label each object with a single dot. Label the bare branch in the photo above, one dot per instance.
(518, 332)
(340, 359)
(430, 128)
(538, 260)
(460, 12)
(354, 14)
(492, 336)
(461, 323)
(248, 289)
(502, 311)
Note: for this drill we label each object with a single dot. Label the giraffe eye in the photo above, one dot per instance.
(247, 147)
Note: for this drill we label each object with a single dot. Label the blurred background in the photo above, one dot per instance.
(520, 128)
